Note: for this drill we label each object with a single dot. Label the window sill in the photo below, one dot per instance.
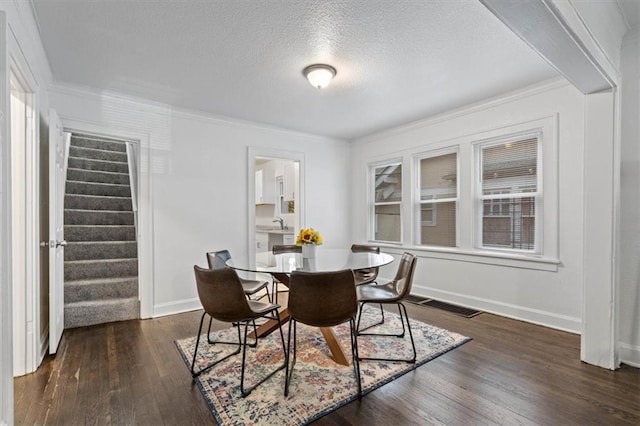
(522, 261)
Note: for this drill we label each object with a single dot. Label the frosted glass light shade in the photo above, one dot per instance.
(319, 75)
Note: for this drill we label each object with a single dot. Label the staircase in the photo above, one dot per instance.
(101, 257)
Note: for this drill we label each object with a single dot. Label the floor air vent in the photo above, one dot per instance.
(459, 310)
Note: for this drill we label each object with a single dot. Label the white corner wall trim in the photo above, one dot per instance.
(630, 355)
(177, 307)
(535, 316)
(482, 105)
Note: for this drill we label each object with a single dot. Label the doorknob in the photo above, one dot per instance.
(62, 243)
(44, 243)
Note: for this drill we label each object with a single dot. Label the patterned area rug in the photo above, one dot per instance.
(319, 385)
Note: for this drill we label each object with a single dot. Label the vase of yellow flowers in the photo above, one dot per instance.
(309, 238)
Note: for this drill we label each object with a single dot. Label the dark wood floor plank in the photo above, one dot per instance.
(511, 373)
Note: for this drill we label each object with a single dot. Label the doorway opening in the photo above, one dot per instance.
(277, 208)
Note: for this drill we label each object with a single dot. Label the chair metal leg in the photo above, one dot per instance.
(360, 330)
(213, 342)
(247, 391)
(194, 373)
(403, 317)
(292, 323)
(355, 355)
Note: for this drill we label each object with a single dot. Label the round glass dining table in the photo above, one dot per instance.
(325, 260)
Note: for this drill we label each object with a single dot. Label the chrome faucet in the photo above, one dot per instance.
(280, 221)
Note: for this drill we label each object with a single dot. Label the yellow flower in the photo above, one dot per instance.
(309, 236)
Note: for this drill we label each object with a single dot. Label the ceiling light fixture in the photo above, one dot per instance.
(319, 75)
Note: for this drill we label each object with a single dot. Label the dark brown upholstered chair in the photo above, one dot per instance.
(322, 299)
(282, 278)
(393, 292)
(217, 259)
(369, 275)
(223, 298)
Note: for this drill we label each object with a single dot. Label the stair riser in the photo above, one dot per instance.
(100, 269)
(98, 144)
(83, 315)
(100, 291)
(74, 217)
(75, 151)
(84, 202)
(98, 233)
(104, 250)
(97, 176)
(105, 166)
(85, 188)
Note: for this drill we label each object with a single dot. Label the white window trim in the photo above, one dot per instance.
(479, 198)
(465, 226)
(371, 199)
(417, 194)
(547, 180)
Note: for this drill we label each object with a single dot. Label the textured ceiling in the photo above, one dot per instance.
(397, 61)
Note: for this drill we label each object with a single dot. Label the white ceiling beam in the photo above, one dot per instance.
(544, 28)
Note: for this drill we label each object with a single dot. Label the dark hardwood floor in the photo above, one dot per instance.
(511, 373)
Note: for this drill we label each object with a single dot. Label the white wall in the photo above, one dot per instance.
(541, 293)
(19, 38)
(629, 291)
(198, 177)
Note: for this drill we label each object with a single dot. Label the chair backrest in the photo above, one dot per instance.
(404, 275)
(222, 295)
(367, 275)
(360, 248)
(322, 299)
(288, 248)
(217, 259)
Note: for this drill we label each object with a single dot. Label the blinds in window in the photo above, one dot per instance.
(510, 167)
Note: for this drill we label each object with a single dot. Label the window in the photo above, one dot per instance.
(509, 193)
(487, 197)
(438, 200)
(387, 200)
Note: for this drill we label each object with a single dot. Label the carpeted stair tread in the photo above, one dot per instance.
(99, 233)
(101, 264)
(103, 268)
(81, 314)
(97, 143)
(97, 202)
(105, 166)
(96, 250)
(103, 288)
(97, 154)
(97, 188)
(84, 175)
(93, 217)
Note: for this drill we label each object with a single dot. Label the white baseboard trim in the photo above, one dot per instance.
(177, 307)
(535, 316)
(630, 354)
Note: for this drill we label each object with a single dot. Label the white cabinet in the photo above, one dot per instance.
(262, 242)
(290, 181)
(265, 186)
(288, 239)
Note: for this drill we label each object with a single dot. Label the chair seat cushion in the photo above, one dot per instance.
(384, 293)
(262, 308)
(252, 286)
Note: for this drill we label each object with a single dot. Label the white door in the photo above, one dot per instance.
(57, 176)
